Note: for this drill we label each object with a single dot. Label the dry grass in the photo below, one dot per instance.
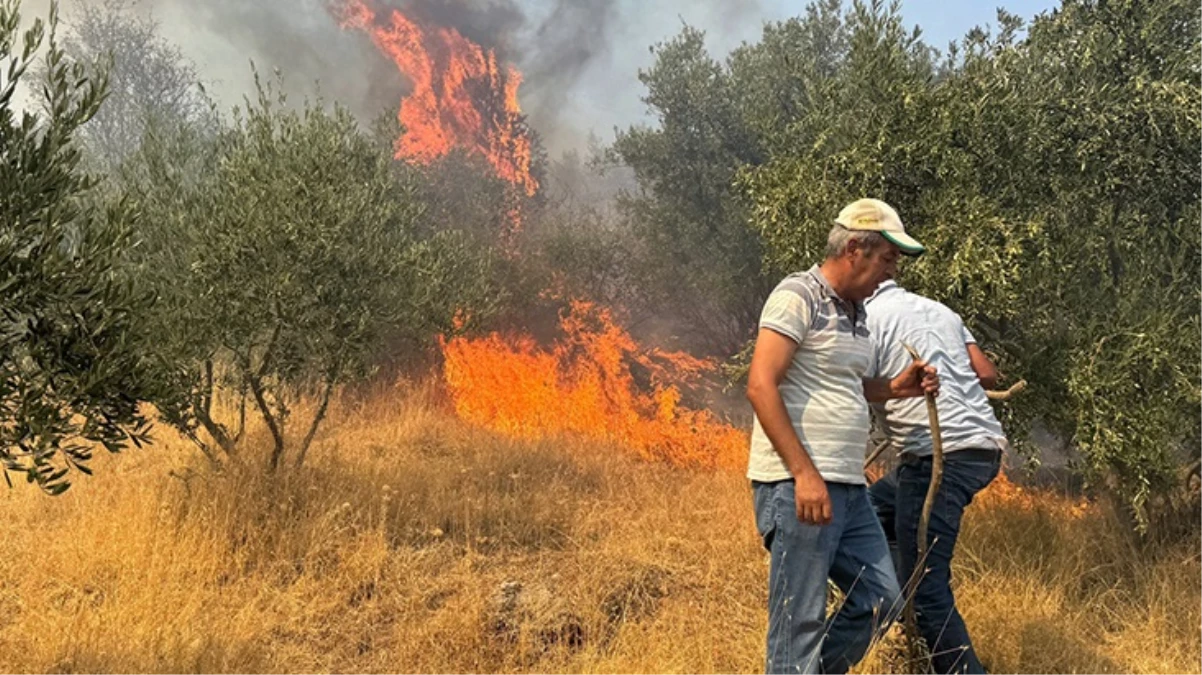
(414, 543)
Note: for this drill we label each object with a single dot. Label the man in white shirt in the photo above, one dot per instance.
(973, 442)
(807, 386)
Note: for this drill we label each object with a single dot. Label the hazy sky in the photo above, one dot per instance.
(588, 51)
(610, 93)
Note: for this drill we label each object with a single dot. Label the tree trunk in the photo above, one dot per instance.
(273, 424)
(254, 379)
(317, 418)
(241, 414)
(204, 415)
(204, 449)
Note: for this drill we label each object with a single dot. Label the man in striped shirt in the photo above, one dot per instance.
(808, 386)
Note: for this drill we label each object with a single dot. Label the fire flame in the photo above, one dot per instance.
(583, 385)
(1003, 492)
(462, 97)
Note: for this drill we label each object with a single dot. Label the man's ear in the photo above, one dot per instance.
(855, 246)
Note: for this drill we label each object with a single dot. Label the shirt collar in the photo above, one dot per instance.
(885, 287)
(829, 291)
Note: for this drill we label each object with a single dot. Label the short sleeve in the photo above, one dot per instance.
(787, 313)
(968, 338)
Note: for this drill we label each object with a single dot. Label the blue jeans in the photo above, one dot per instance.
(852, 551)
(898, 500)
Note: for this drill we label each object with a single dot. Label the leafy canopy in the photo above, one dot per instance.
(71, 353)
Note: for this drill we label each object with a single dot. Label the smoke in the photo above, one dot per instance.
(579, 58)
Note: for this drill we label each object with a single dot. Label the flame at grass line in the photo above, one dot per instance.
(462, 97)
(583, 384)
(1003, 492)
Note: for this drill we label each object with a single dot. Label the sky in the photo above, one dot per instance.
(610, 103)
(946, 20)
(606, 41)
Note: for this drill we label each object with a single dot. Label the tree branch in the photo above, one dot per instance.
(268, 353)
(277, 435)
(876, 452)
(204, 448)
(317, 418)
(1006, 394)
(206, 396)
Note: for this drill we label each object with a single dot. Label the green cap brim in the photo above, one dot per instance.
(907, 244)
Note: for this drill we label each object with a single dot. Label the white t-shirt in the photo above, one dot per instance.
(966, 418)
(823, 389)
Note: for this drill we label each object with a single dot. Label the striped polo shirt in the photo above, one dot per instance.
(966, 418)
(823, 389)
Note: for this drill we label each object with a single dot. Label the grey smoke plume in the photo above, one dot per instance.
(579, 58)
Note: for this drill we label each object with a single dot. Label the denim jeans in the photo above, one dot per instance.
(852, 551)
(898, 500)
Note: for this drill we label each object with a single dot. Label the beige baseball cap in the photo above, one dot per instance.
(876, 215)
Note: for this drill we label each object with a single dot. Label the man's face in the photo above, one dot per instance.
(872, 268)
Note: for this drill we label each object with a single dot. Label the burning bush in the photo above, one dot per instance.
(585, 384)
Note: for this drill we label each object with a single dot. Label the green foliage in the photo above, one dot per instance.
(1053, 178)
(289, 254)
(844, 128)
(695, 256)
(71, 374)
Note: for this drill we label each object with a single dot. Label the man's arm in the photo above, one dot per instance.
(916, 380)
(771, 360)
(982, 366)
(980, 362)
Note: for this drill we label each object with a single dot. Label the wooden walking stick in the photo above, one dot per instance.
(937, 451)
(936, 465)
(924, 522)
(928, 505)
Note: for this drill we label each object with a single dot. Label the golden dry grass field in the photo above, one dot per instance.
(412, 542)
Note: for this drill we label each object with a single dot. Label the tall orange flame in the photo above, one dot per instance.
(583, 384)
(462, 97)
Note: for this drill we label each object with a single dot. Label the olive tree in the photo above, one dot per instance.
(289, 256)
(72, 370)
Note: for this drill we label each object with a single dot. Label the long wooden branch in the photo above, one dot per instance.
(933, 491)
(936, 465)
(927, 506)
(1002, 395)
